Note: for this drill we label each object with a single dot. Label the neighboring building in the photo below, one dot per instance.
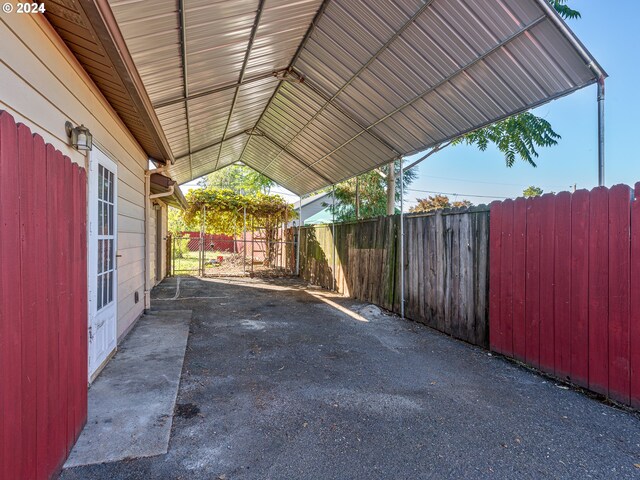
(311, 206)
(322, 217)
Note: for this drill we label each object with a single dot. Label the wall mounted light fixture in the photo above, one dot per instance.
(81, 138)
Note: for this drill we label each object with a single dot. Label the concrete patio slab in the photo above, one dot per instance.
(132, 401)
(285, 382)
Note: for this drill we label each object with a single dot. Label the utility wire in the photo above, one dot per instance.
(493, 183)
(456, 194)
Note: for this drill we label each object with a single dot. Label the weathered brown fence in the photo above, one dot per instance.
(445, 268)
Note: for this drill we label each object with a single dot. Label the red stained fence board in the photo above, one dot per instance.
(566, 269)
(43, 304)
(619, 290)
(599, 291)
(532, 272)
(10, 303)
(519, 278)
(580, 287)
(562, 290)
(29, 234)
(634, 316)
(547, 258)
(506, 280)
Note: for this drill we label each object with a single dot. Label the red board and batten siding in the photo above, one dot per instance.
(43, 304)
(562, 272)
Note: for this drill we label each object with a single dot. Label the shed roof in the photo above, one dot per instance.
(313, 92)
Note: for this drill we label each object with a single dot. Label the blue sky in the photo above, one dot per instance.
(610, 31)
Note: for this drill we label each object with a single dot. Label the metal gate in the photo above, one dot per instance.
(258, 251)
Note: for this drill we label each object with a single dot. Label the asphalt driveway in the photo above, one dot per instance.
(284, 382)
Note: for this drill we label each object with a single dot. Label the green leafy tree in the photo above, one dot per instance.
(532, 191)
(372, 188)
(437, 202)
(515, 137)
(223, 212)
(238, 178)
(175, 219)
(564, 10)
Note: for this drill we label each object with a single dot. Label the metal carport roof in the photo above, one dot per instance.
(312, 92)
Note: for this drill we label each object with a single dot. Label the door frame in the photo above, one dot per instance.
(96, 157)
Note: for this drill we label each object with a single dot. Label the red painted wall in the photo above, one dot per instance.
(43, 304)
(562, 271)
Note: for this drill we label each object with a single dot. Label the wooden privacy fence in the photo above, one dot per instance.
(565, 287)
(43, 304)
(446, 258)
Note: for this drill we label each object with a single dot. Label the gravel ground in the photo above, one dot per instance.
(285, 382)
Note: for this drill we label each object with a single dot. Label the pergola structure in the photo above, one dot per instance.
(313, 92)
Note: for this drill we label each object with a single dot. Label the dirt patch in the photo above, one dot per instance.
(186, 410)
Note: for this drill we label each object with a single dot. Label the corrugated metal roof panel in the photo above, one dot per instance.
(380, 78)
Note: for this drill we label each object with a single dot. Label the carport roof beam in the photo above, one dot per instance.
(442, 82)
(375, 82)
(243, 70)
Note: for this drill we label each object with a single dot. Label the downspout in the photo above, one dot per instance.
(147, 233)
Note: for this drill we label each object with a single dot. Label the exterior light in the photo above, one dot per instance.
(81, 138)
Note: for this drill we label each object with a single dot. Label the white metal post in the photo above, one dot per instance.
(202, 233)
(244, 240)
(401, 237)
(333, 232)
(299, 232)
(601, 131)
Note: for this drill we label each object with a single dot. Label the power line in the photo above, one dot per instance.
(492, 183)
(456, 194)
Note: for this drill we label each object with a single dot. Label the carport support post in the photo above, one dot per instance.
(401, 236)
(601, 131)
(244, 240)
(333, 232)
(201, 253)
(299, 232)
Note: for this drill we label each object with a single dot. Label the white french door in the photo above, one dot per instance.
(103, 241)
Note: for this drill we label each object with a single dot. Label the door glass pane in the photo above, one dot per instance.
(99, 306)
(110, 209)
(110, 295)
(100, 257)
(100, 180)
(106, 234)
(111, 186)
(105, 287)
(100, 218)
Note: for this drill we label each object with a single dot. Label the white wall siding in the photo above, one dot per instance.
(42, 85)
